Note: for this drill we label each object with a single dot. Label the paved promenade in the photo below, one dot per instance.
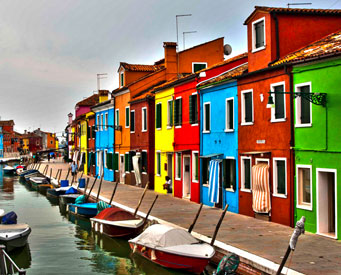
(261, 244)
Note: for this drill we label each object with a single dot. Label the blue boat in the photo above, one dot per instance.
(83, 209)
(56, 192)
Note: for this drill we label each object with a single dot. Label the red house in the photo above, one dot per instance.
(265, 136)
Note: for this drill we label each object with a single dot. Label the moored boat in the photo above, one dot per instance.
(9, 170)
(14, 235)
(68, 198)
(88, 210)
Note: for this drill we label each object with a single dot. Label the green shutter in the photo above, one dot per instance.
(280, 177)
(144, 162)
(248, 106)
(176, 112)
(126, 162)
(109, 160)
(158, 115)
(170, 113)
(196, 171)
(132, 121)
(180, 111)
(259, 30)
(115, 161)
(305, 106)
(195, 108)
(89, 160)
(207, 118)
(230, 114)
(127, 117)
(178, 160)
(198, 67)
(158, 156)
(247, 176)
(131, 154)
(279, 102)
(122, 79)
(190, 105)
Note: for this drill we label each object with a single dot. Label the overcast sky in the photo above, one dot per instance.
(51, 50)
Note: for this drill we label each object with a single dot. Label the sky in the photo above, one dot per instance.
(52, 50)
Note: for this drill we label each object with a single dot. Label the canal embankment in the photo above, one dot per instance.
(260, 244)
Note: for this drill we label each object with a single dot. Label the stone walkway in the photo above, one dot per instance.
(261, 244)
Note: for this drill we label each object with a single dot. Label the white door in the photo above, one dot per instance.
(122, 169)
(326, 202)
(187, 177)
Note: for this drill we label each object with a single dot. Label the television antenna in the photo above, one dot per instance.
(298, 4)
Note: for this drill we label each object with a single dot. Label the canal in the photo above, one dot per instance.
(62, 244)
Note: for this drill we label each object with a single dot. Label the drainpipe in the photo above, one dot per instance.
(277, 38)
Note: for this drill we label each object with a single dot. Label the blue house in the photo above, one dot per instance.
(1, 143)
(219, 140)
(104, 142)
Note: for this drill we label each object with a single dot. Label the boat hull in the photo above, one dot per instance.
(170, 260)
(42, 188)
(19, 240)
(88, 210)
(53, 193)
(68, 199)
(116, 231)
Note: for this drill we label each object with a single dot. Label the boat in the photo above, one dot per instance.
(14, 235)
(68, 198)
(20, 169)
(88, 209)
(56, 192)
(42, 188)
(36, 181)
(27, 172)
(172, 247)
(9, 170)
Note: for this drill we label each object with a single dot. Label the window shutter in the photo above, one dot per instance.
(89, 160)
(132, 121)
(195, 108)
(279, 102)
(158, 115)
(144, 162)
(207, 117)
(233, 174)
(131, 154)
(191, 109)
(196, 167)
(247, 176)
(158, 156)
(280, 177)
(127, 117)
(109, 160)
(180, 111)
(248, 107)
(88, 131)
(126, 162)
(115, 161)
(176, 112)
(305, 106)
(230, 114)
(170, 113)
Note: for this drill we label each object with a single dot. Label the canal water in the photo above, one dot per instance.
(62, 244)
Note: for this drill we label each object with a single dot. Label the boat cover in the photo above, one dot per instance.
(102, 205)
(114, 214)
(71, 190)
(80, 199)
(160, 235)
(9, 218)
(2, 212)
(9, 168)
(8, 231)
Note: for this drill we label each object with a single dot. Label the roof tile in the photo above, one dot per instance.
(140, 67)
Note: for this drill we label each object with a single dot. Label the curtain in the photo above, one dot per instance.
(137, 169)
(260, 189)
(213, 182)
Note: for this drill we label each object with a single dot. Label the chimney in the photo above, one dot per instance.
(171, 63)
(25, 132)
(70, 115)
(103, 95)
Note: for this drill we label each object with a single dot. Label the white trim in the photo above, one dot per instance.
(197, 164)
(243, 108)
(193, 63)
(125, 91)
(254, 49)
(272, 89)
(125, 117)
(101, 121)
(183, 174)
(132, 111)
(274, 178)
(298, 123)
(105, 159)
(176, 165)
(204, 116)
(258, 160)
(317, 201)
(156, 172)
(226, 128)
(242, 187)
(117, 123)
(144, 125)
(301, 206)
(106, 118)
(168, 116)
(178, 98)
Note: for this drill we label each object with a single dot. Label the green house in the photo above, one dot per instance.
(316, 75)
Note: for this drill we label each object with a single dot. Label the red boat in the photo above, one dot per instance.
(172, 248)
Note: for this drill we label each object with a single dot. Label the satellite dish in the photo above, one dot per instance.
(227, 49)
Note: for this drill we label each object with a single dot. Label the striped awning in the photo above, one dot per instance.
(260, 188)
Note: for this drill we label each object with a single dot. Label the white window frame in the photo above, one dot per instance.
(105, 158)
(101, 122)
(159, 103)
(204, 116)
(194, 63)
(98, 122)
(132, 111)
(157, 164)
(305, 206)
(168, 117)
(243, 108)
(196, 124)
(242, 169)
(178, 126)
(127, 120)
(274, 178)
(121, 84)
(106, 121)
(226, 126)
(144, 124)
(298, 106)
(272, 89)
(254, 49)
(260, 160)
(146, 151)
(231, 189)
(177, 165)
(195, 164)
(117, 117)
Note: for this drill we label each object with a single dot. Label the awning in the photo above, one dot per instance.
(260, 188)
(211, 155)
(255, 153)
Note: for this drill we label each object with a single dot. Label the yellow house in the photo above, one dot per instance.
(164, 138)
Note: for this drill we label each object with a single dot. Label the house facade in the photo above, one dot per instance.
(91, 137)
(1, 143)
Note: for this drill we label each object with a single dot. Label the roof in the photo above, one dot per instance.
(140, 67)
(89, 101)
(293, 11)
(225, 76)
(7, 122)
(145, 93)
(232, 59)
(328, 46)
(174, 81)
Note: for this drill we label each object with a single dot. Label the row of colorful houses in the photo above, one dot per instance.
(258, 131)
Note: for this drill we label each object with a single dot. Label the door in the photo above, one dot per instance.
(122, 174)
(326, 202)
(219, 204)
(186, 191)
(170, 166)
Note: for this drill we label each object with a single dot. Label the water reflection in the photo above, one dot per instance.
(22, 256)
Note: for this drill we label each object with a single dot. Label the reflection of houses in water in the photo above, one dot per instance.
(22, 256)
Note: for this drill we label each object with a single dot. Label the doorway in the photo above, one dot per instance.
(186, 191)
(122, 169)
(326, 202)
(170, 166)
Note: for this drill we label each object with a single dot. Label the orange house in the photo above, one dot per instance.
(136, 81)
(50, 140)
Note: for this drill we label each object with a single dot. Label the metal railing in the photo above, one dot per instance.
(7, 265)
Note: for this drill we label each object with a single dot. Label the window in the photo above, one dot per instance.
(158, 116)
(106, 158)
(109, 160)
(131, 154)
(170, 113)
(229, 174)
(158, 163)
(117, 117)
(106, 121)
(132, 121)
(102, 122)
(205, 167)
(303, 106)
(144, 119)
(229, 115)
(93, 128)
(195, 166)
(197, 66)
(193, 109)
(304, 187)
(144, 161)
(122, 78)
(258, 34)
(207, 117)
(127, 162)
(279, 177)
(278, 113)
(98, 122)
(127, 117)
(178, 112)
(247, 107)
(246, 173)
(178, 166)
(115, 161)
